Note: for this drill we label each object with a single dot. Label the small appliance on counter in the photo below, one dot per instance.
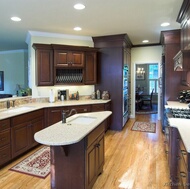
(63, 94)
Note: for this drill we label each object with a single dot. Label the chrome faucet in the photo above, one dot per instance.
(64, 115)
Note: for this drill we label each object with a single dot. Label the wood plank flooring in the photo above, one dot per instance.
(133, 160)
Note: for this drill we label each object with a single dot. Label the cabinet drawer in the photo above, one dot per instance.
(81, 109)
(183, 152)
(95, 134)
(27, 116)
(4, 124)
(5, 154)
(98, 107)
(5, 138)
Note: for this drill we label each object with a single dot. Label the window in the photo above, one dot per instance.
(153, 77)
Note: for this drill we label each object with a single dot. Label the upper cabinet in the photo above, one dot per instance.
(181, 59)
(68, 58)
(65, 65)
(44, 64)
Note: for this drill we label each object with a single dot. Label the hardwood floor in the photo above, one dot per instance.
(133, 160)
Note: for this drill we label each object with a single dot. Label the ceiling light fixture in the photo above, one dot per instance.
(145, 41)
(77, 28)
(165, 24)
(79, 6)
(16, 19)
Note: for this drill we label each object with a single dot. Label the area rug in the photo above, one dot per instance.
(144, 127)
(37, 164)
(147, 110)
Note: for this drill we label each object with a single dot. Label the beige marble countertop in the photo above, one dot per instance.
(69, 133)
(11, 112)
(176, 104)
(183, 125)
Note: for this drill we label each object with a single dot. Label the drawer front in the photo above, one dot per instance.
(95, 134)
(27, 117)
(81, 109)
(98, 107)
(4, 124)
(5, 138)
(5, 154)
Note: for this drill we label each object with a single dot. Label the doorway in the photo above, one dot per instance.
(146, 88)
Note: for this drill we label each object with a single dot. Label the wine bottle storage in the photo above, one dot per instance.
(69, 76)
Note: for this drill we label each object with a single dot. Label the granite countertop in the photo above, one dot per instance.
(69, 133)
(11, 112)
(183, 125)
(176, 104)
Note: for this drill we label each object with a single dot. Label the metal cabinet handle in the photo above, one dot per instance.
(183, 174)
(184, 152)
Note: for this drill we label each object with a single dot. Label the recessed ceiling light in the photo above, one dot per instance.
(165, 24)
(145, 41)
(16, 19)
(79, 6)
(77, 28)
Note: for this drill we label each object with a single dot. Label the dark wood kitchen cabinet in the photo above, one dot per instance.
(94, 155)
(23, 128)
(113, 55)
(44, 65)
(5, 144)
(179, 161)
(65, 65)
(83, 160)
(90, 71)
(64, 58)
(170, 41)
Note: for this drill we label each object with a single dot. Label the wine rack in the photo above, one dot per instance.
(65, 76)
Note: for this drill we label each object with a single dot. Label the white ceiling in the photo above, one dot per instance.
(140, 19)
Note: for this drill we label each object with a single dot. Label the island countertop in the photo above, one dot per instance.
(69, 133)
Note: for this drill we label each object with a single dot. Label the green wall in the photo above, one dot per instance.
(15, 67)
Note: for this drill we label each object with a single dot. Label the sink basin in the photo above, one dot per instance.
(83, 120)
(18, 109)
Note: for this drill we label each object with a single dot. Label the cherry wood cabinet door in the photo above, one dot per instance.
(5, 138)
(90, 68)
(20, 136)
(36, 125)
(69, 58)
(44, 65)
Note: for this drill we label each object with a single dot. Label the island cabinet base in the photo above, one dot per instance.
(78, 165)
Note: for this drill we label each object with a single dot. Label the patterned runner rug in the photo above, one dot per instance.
(144, 127)
(37, 164)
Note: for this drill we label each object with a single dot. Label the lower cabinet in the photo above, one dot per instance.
(23, 128)
(5, 141)
(179, 161)
(78, 165)
(95, 159)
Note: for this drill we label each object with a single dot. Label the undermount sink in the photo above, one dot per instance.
(82, 120)
(18, 109)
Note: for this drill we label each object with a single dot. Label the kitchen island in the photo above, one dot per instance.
(77, 149)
